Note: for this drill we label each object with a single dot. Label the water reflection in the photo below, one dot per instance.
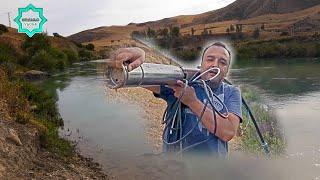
(293, 89)
(281, 78)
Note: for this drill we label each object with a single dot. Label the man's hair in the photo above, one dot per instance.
(218, 44)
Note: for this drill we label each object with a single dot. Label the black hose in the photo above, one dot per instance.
(264, 144)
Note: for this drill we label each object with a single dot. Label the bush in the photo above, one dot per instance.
(296, 50)
(269, 50)
(72, 56)
(317, 48)
(43, 60)
(3, 29)
(7, 53)
(284, 33)
(44, 102)
(85, 55)
(187, 55)
(90, 47)
(60, 58)
(36, 43)
(246, 52)
(175, 31)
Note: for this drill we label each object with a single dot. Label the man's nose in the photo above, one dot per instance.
(215, 63)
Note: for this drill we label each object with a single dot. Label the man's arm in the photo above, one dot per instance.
(226, 128)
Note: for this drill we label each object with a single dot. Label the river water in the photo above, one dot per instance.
(113, 133)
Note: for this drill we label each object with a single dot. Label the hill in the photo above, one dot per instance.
(276, 18)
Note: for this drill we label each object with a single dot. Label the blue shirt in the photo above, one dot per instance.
(228, 94)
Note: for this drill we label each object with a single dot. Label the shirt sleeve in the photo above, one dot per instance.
(234, 102)
(166, 94)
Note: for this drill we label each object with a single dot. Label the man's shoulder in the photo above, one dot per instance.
(230, 89)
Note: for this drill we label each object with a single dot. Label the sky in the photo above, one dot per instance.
(71, 16)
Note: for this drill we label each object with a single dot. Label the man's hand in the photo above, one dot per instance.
(226, 128)
(189, 95)
(134, 56)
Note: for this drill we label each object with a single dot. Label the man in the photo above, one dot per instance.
(214, 130)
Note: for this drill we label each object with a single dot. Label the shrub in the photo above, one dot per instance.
(3, 29)
(85, 55)
(43, 60)
(90, 47)
(175, 31)
(246, 52)
(44, 102)
(36, 43)
(317, 48)
(296, 50)
(187, 55)
(7, 53)
(269, 50)
(72, 56)
(284, 33)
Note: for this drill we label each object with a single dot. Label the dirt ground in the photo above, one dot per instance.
(27, 160)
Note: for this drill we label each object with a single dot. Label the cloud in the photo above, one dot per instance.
(71, 16)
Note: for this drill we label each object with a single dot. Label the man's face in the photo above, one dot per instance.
(215, 56)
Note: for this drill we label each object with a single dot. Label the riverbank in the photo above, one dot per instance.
(28, 160)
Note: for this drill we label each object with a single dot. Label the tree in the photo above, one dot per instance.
(3, 29)
(151, 33)
(175, 31)
(228, 30)
(56, 35)
(238, 27)
(231, 28)
(163, 32)
(90, 46)
(192, 31)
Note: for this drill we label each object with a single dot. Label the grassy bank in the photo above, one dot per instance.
(269, 126)
(28, 104)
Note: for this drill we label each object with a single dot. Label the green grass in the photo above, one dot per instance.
(51, 140)
(269, 125)
(291, 48)
(20, 96)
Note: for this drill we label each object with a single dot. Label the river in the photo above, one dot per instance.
(112, 133)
